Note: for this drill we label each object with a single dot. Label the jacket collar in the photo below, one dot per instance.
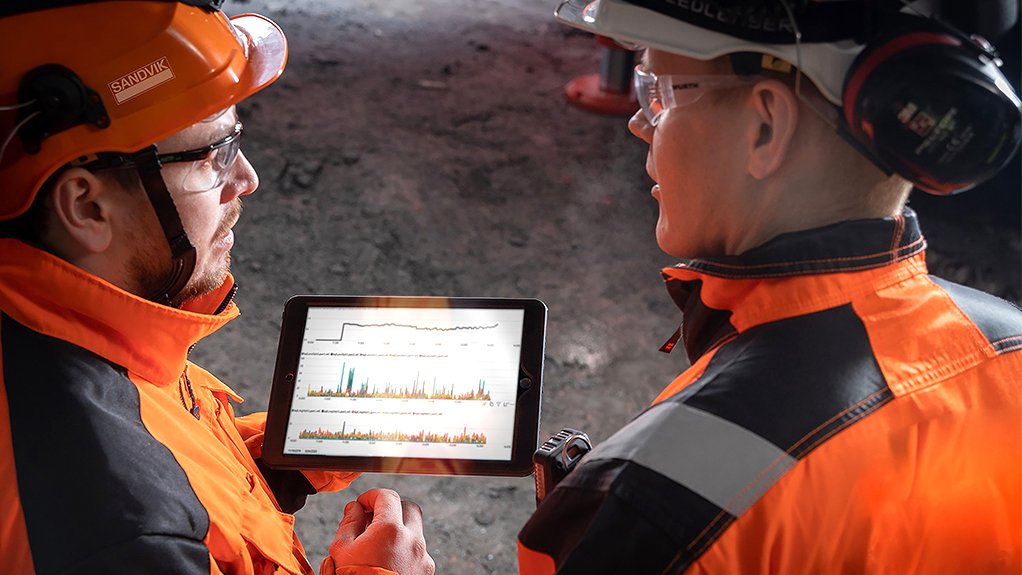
(792, 274)
(58, 299)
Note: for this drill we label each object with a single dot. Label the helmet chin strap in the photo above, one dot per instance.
(181, 249)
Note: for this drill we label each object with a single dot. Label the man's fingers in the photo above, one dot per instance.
(381, 530)
(352, 524)
(411, 515)
(384, 504)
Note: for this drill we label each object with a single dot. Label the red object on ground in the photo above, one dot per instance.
(586, 93)
(609, 92)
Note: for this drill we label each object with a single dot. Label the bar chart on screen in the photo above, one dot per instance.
(396, 382)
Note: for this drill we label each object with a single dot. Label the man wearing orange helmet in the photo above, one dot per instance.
(844, 411)
(120, 180)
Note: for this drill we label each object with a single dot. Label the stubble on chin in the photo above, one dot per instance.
(150, 266)
(203, 284)
(213, 277)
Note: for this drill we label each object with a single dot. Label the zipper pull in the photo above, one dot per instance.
(194, 410)
(668, 345)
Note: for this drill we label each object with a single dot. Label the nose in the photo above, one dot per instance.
(242, 181)
(640, 127)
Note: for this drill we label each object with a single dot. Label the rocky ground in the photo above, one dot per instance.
(426, 148)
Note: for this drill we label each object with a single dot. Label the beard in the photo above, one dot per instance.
(203, 283)
(151, 267)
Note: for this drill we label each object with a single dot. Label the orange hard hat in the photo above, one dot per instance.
(117, 76)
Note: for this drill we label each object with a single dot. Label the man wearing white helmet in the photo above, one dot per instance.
(121, 177)
(844, 412)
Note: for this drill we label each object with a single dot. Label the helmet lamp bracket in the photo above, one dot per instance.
(60, 101)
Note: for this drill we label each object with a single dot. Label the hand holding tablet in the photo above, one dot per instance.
(436, 385)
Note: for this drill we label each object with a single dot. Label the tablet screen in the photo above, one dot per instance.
(406, 382)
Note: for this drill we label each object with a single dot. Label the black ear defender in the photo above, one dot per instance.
(57, 100)
(931, 104)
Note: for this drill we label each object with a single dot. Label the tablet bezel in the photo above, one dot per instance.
(527, 407)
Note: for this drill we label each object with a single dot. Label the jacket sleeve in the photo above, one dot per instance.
(609, 517)
(289, 487)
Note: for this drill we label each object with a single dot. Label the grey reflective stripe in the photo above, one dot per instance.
(722, 462)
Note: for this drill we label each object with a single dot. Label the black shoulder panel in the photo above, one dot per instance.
(794, 382)
(999, 320)
(599, 518)
(100, 494)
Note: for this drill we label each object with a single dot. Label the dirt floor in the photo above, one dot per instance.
(425, 148)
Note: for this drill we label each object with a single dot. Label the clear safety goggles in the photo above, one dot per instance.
(209, 165)
(657, 94)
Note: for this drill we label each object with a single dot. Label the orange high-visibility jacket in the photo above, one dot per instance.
(844, 412)
(103, 466)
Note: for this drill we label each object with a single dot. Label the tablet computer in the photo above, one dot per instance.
(434, 385)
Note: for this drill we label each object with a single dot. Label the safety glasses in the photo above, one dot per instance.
(657, 94)
(209, 165)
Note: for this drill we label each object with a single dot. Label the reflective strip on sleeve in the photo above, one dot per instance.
(722, 462)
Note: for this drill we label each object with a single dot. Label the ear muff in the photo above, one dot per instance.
(933, 107)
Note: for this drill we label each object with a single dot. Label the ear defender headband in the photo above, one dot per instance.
(932, 105)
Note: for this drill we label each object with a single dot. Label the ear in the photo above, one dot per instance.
(82, 205)
(775, 109)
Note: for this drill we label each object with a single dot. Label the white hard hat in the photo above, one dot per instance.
(698, 29)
